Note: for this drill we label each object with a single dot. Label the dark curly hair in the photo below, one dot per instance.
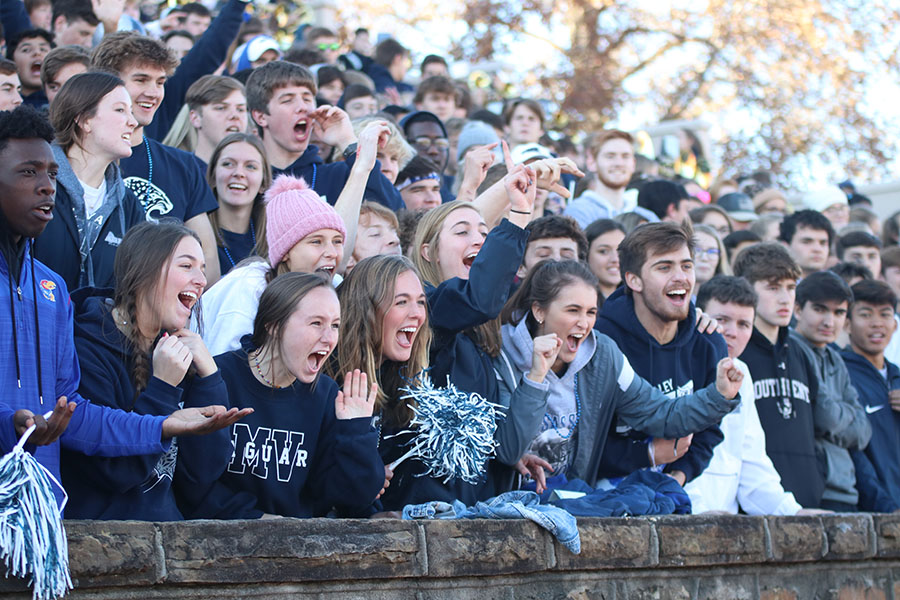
(23, 123)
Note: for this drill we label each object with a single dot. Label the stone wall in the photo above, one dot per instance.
(774, 558)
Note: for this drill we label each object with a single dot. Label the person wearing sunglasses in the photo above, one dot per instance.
(325, 41)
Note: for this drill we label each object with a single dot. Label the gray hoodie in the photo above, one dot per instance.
(607, 386)
(840, 422)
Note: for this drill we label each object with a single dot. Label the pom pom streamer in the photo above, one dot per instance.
(32, 538)
(453, 431)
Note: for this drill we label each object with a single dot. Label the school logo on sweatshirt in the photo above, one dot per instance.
(265, 451)
(164, 469)
(154, 200)
(47, 288)
(782, 390)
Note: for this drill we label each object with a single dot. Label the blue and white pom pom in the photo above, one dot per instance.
(453, 431)
(32, 538)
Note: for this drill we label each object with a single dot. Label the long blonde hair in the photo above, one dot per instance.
(487, 335)
(366, 295)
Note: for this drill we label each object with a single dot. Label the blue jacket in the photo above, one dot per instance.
(292, 457)
(455, 306)
(93, 430)
(328, 180)
(685, 364)
(878, 466)
(205, 57)
(137, 487)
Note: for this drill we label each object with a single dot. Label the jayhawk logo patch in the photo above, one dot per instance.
(47, 288)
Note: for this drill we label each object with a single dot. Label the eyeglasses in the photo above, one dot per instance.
(332, 46)
(427, 142)
(837, 209)
(708, 253)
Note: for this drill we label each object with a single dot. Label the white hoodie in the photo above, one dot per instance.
(740, 472)
(229, 307)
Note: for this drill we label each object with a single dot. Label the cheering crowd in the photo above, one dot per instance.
(223, 264)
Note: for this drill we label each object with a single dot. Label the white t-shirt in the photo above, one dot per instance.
(93, 197)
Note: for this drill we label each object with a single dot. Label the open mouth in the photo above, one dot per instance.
(301, 128)
(314, 361)
(877, 338)
(405, 336)
(238, 187)
(146, 105)
(188, 299)
(574, 341)
(233, 129)
(36, 68)
(677, 296)
(326, 270)
(468, 259)
(44, 211)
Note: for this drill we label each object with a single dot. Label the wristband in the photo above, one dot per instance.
(350, 150)
(652, 454)
(519, 212)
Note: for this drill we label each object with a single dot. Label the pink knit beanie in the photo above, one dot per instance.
(293, 211)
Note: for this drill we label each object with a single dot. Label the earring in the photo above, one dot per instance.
(540, 322)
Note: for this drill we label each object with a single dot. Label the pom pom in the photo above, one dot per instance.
(32, 537)
(286, 183)
(453, 430)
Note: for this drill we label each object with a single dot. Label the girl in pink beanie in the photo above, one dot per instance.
(303, 234)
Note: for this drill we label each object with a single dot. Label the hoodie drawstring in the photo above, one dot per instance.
(12, 310)
(37, 329)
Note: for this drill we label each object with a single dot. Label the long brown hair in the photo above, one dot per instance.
(144, 252)
(487, 335)
(366, 295)
(258, 214)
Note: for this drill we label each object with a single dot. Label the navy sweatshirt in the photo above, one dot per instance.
(141, 487)
(328, 180)
(785, 385)
(292, 457)
(176, 187)
(455, 306)
(205, 57)
(678, 368)
(878, 466)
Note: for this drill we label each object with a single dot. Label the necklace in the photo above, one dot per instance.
(259, 371)
(577, 414)
(150, 171)
(225, 246)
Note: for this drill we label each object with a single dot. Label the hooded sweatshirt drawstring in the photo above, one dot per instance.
(12, 310)
(37, 329)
